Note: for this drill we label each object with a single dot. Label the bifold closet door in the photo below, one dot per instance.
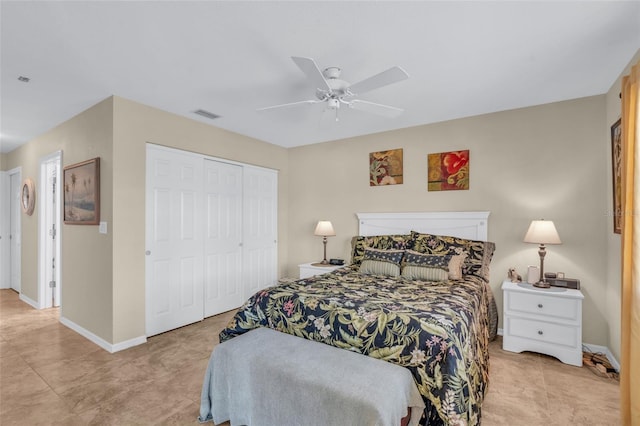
(223, 237)
(260, 226)
(174, 240)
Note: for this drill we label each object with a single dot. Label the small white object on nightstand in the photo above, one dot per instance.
(309, 269)
(547, 321)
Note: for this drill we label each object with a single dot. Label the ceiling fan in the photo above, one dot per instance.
(336, 92)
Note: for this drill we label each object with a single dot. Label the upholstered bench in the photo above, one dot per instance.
(265, 377)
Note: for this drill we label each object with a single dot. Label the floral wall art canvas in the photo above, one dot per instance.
(448, 171)
(385, 167)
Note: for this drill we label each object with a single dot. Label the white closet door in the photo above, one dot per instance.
(223, 237)
(260, 228)
(174, 238)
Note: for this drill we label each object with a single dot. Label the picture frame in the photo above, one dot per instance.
(28, 196)
(81, 189)
(616, 163)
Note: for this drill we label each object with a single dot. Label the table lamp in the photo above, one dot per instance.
(324, 229)
(542, 232)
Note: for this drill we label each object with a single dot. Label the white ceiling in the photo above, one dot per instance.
(230, 58)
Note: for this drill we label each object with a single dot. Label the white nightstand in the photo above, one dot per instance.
(547, 321)
(309, 270)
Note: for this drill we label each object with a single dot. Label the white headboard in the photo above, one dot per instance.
(469, 225)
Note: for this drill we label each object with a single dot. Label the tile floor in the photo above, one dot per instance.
(50, 375)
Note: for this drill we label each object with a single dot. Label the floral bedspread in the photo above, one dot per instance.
(437, 330)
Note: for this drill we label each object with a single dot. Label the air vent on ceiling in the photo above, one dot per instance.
(206, 114)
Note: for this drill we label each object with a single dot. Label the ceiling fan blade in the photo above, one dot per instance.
(312, 101)
(309, 67)
(379, 109)
(390, 76)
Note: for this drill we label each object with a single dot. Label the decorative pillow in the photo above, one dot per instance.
(478, 253)
(412, 257)
(381, 262)
(424, 273)
(413, 261)
(383, 242)
(455, 266)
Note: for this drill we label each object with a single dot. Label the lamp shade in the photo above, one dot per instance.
(542, 232)
(324, 229)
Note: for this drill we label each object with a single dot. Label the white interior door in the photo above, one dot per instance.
(14, 230)
(174, 241)
(49, 241)
(260, 224)
(223, 237)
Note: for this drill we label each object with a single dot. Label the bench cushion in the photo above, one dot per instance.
(265, 377)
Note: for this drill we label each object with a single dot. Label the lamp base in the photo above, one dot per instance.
(323, 263)
(542, 284)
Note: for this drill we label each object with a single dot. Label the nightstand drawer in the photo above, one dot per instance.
(543, 331)
(546, 306)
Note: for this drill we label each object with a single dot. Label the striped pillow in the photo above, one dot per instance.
(381, 262)
(424, 273)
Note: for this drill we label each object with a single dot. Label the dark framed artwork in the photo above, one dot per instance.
(616, 163)
(82, 193)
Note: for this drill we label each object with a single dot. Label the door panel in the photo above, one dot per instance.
(174, 261)
(260, 229)
(223, 241)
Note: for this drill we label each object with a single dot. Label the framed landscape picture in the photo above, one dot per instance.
(82, 193)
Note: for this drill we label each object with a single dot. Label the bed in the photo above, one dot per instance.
(416, 294)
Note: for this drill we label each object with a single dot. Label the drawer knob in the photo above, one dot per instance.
(540, 332)
(539, 305)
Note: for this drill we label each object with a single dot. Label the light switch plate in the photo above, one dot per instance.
(102, 228)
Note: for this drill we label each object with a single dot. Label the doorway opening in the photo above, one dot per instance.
(15, 262)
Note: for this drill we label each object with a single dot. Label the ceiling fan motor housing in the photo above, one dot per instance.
(331, 72)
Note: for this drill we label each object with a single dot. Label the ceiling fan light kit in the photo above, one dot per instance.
(334, 91)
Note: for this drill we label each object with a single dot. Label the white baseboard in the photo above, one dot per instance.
(29, 301)
(592, 348)
(111, 348)
(129, 343)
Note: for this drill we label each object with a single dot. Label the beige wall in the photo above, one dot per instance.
(85, 262)
(612, 301)
(541, 162)
(549, 161)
